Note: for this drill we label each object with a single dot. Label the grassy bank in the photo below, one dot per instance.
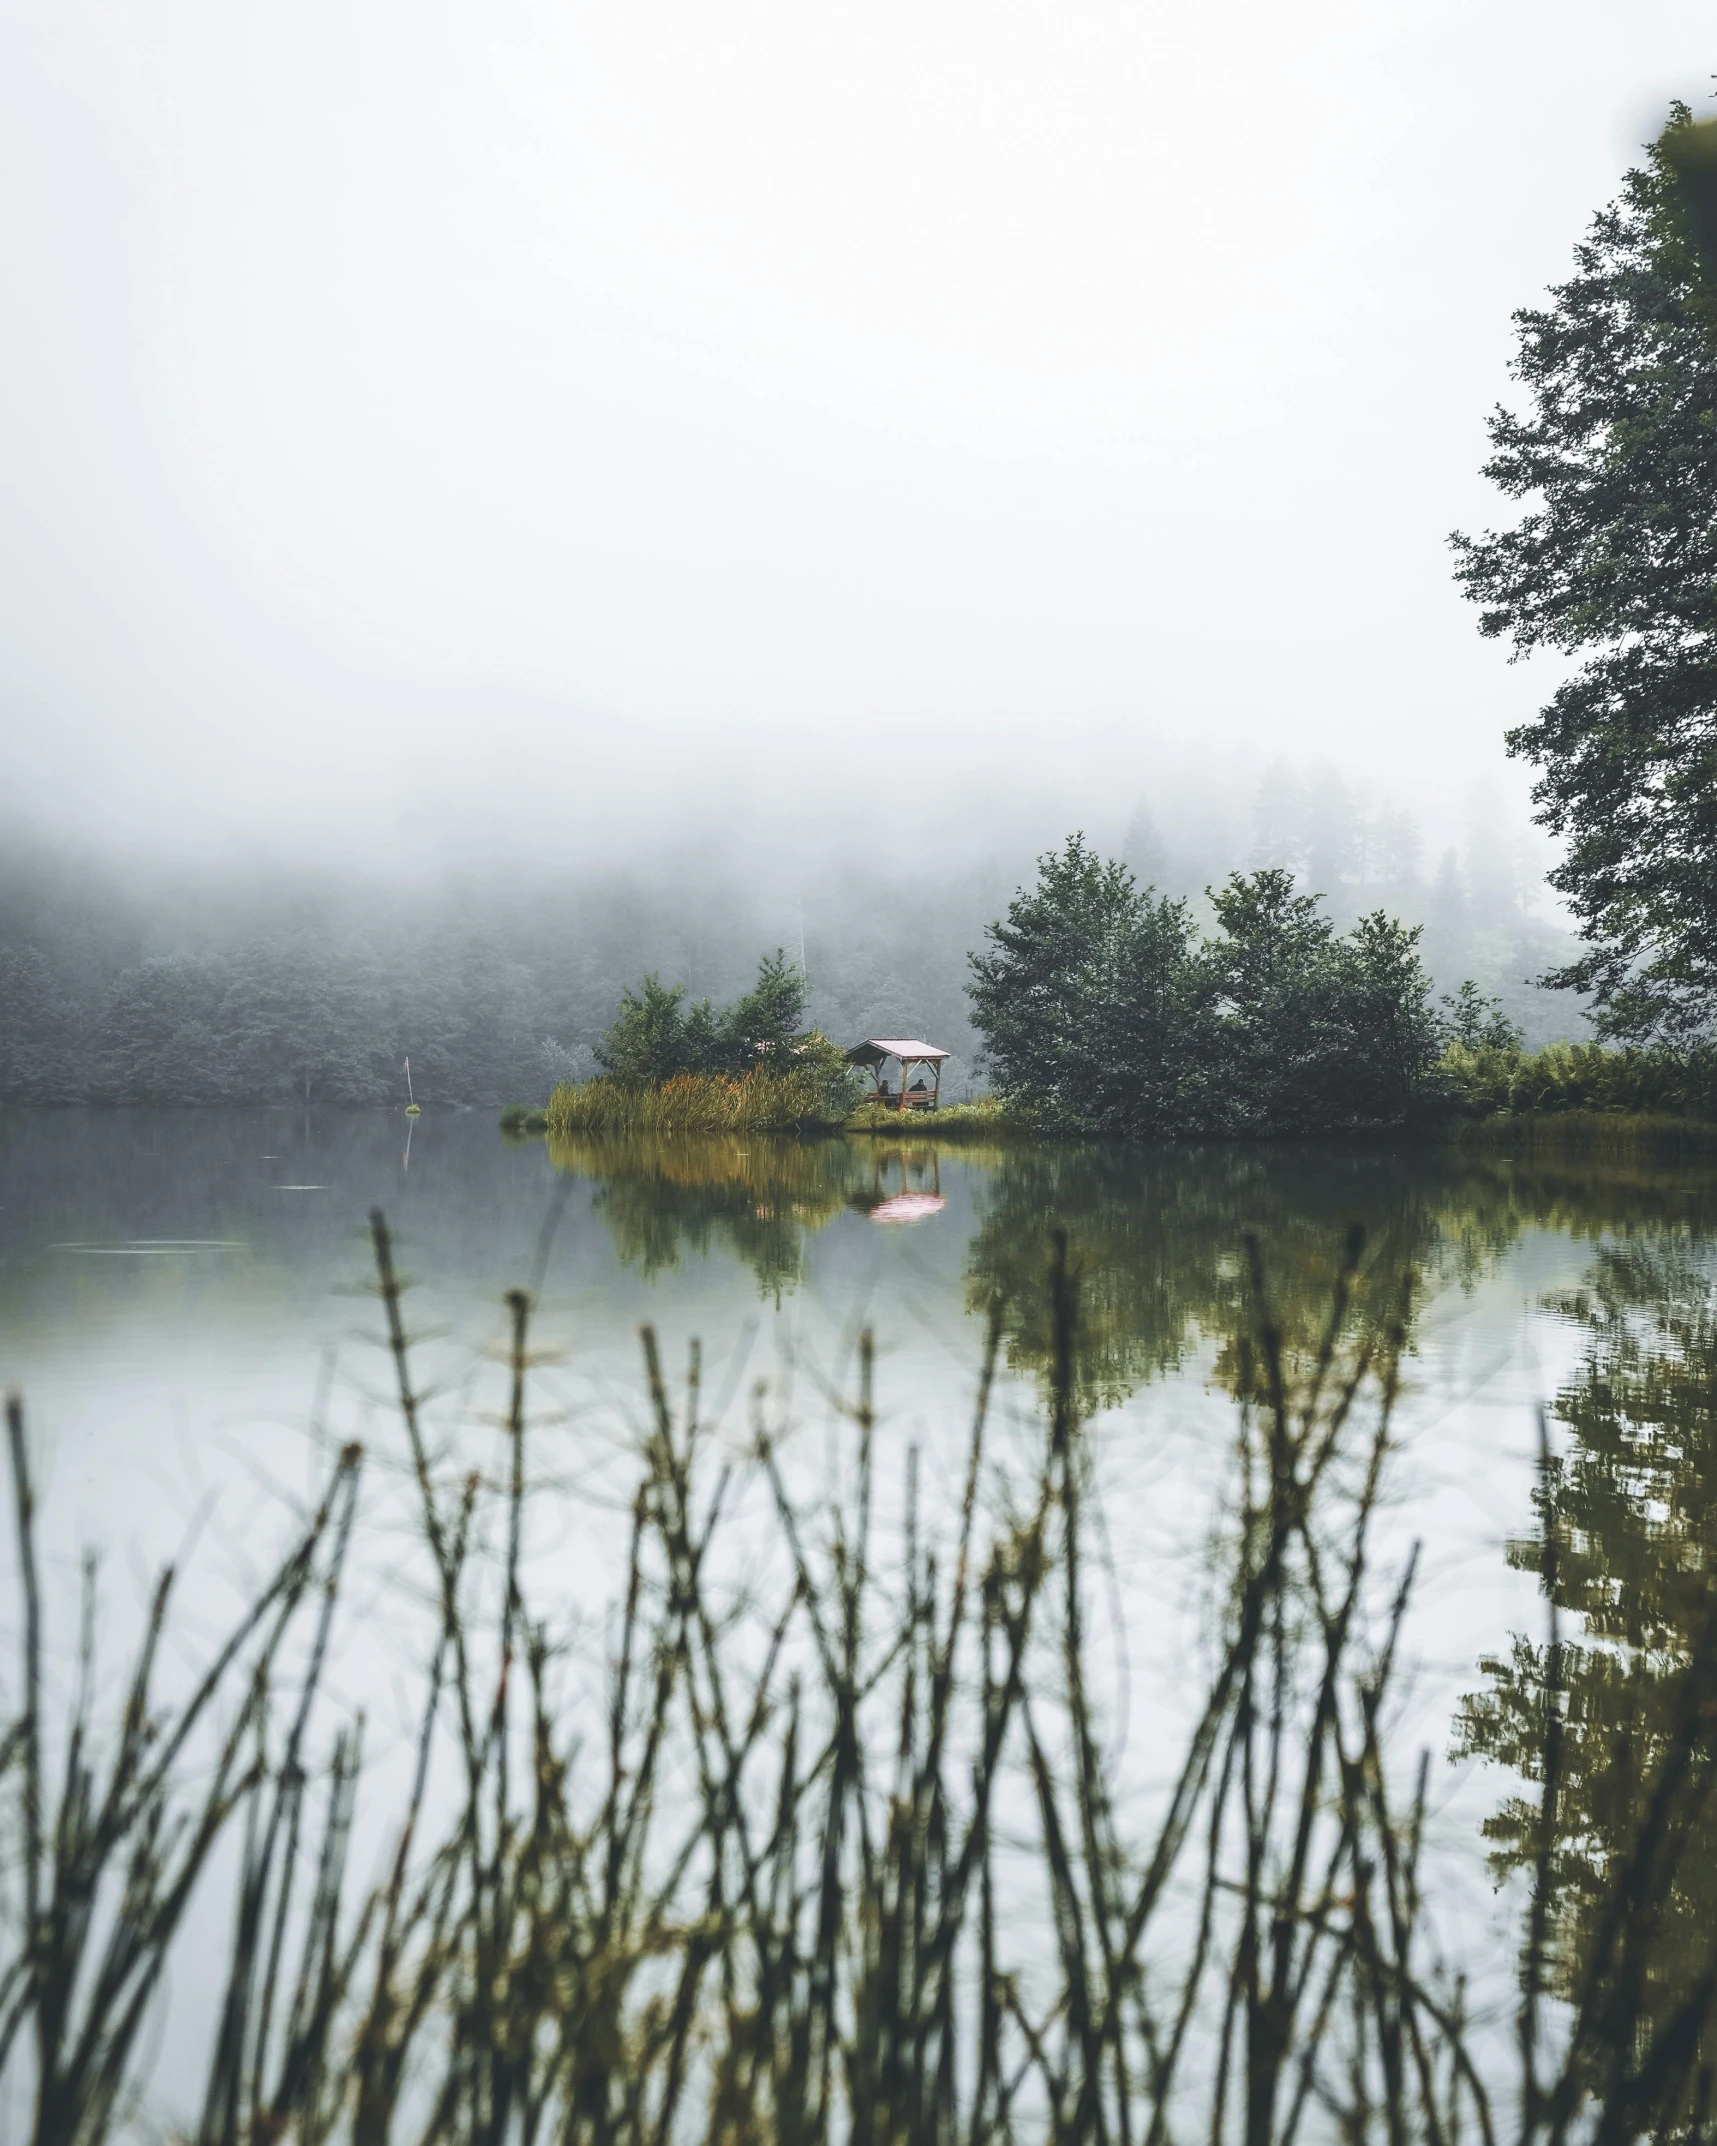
(758, 1103)
(1589, 1134)
(987, 1119)
(1570, 1097)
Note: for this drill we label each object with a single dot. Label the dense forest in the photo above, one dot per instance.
(243, 984)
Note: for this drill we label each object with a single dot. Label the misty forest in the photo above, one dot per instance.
(763, 1384)
(230, 986)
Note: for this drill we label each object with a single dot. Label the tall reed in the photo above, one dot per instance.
(851, 1865)
(759, 1101)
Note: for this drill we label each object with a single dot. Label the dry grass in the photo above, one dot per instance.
(796, 1101)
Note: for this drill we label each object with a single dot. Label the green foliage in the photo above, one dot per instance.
(1614, 562)
(1479, 1022)
(1315, 1031)
(656, 1038)
(1103, 1011)
(1563, 1078)
(648, 1043)
(1089, 1000)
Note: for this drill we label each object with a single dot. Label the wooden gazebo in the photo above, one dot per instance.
(874, 1055)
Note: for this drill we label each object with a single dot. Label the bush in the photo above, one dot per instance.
(1487, 1081)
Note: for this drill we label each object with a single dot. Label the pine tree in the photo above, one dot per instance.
(1615, 562)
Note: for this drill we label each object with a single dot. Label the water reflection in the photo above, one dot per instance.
(1631, 1494)
(185, 1237)
(1157, 1232)
(664, 1197)
(905, 1185)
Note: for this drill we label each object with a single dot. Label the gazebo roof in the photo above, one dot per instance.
(874, 1049)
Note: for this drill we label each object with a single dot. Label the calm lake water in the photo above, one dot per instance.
(181, 1293)
(183, 1305)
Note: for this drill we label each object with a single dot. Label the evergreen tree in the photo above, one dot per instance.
(42, 1040)
(647, 1043)
(768, 1017)
(655, 1037)
(1615, 562)
(1102, 1011)
(1144, 852)
(1084, 994)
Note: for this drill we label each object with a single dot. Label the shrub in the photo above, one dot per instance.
(1566, 1077)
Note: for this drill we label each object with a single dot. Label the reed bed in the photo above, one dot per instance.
(849, 1866)
(800, 1100)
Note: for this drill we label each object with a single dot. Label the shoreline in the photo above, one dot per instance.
(1526, 1133)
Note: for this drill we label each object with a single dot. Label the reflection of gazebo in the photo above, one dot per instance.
(920, 1193)
(875, 1052)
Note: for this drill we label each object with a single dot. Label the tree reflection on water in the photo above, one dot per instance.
(664, 1196)
(1158, 1234)
(1630, 1494)
(1156, 1231)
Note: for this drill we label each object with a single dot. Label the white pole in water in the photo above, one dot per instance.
(410, 1097)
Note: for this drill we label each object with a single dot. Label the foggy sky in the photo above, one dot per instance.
(536, 424)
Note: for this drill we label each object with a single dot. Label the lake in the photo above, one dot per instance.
(185, 1305)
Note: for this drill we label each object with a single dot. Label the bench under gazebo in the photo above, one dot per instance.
(875, 1055)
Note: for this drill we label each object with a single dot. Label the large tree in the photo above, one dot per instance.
(1090, 999)
(1614, 562)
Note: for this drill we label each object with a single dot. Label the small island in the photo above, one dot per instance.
(1106, 1011)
